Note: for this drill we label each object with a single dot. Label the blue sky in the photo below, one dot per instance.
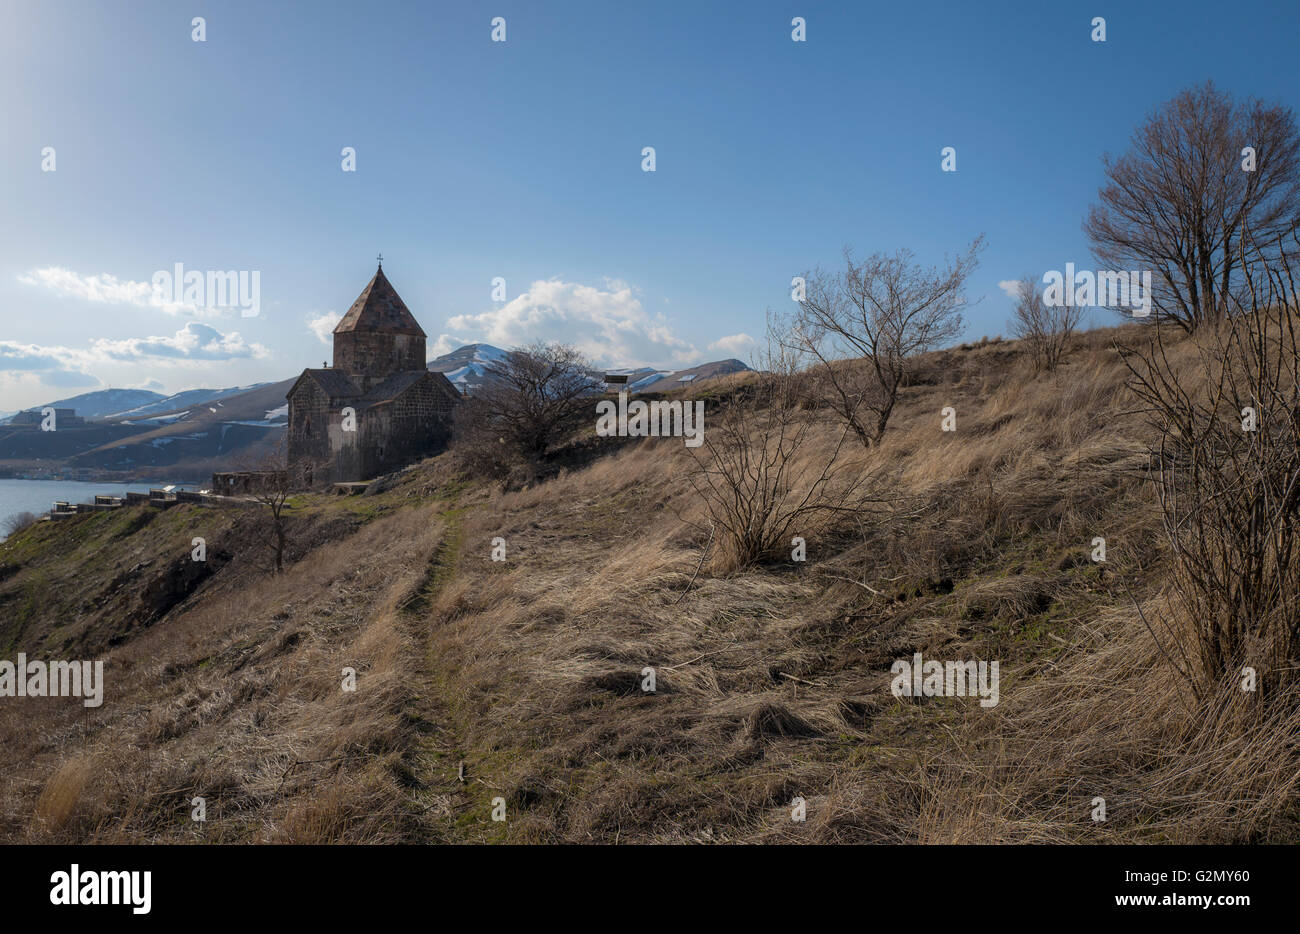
(522, 160)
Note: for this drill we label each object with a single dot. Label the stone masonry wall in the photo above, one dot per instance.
(415, 425)
(309, 435)
(371, 357)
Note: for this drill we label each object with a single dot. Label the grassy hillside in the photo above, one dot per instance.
(772, 681)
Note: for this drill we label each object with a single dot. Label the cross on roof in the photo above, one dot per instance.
(381, 260)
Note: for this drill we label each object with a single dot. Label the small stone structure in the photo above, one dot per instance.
(63, 418)
(247, 482)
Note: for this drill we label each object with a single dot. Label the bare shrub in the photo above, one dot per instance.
(762, 475)
(1176, 202)
(477, 449)
(19, 521)
(275, 482)
(884, 309)
(1044, 329)
(534, 397)
(1226, 467)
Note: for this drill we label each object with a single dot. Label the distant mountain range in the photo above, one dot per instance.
(114, 404)
(212, 427)
(467, 368)
(183, 400)
(648, 379)
(188, 432)
(104, 402)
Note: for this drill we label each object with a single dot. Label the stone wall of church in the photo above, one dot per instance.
(348, 464)
(309, 435)
(387, 436)
(370, 357)
(415, 425)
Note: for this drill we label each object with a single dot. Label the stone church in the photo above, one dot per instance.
(378, 408)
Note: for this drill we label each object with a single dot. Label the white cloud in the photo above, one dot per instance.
(24, 388)
(608, 325)
(106, 288)
(193, 342)
(26, 366)
(323, 326)
(29, 371)
(15, 356)
(1011, 287)
(21, 364)
(443, 345)
(734, 344)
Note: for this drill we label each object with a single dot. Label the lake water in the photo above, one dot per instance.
(39, 495)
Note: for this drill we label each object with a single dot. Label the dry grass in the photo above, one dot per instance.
(62, 793)
(1109, 719)
(238, 700)
(771, 682)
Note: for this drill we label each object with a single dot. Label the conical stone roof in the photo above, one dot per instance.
(379, 308)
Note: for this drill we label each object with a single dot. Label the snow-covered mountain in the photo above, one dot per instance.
(679, 378)
(181, 400)
(467, 367)
(121, 404)
(642, 377)
(104, 402)
(240, 422)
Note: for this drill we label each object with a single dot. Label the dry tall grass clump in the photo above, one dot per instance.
(1110, 745)
(62, 793)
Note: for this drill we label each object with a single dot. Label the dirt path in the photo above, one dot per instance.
(438, 793)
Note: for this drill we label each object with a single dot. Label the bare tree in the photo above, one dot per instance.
(273, 495)
(761, 474)
(19, 521)
(1177, 201)
(535, 396)
(271, 482)
(1045, 329)
(884, 309)
(1227, 473)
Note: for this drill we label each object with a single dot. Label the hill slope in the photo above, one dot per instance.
(104, 402)
(195, 440)
(772, 682)
(182, 400)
